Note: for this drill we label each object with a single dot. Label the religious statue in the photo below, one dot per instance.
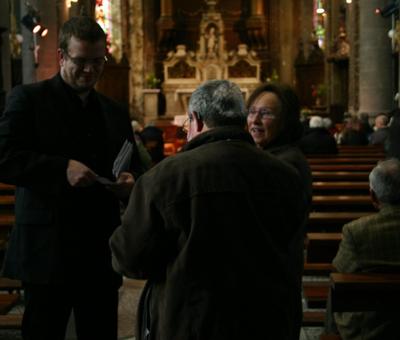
(342, 46)
(212, 41)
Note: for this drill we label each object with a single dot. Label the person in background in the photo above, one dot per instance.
(145, 157)
(353, 133)
(392, 144)
(381, 130)
(273, 121)
(327, 122)
(365, 124)
(58, 142)
(372, 244)
(153, 141)
(318, 139)
(211, 229)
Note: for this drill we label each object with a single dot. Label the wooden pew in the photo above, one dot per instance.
(7, 187)
(347, 154)
(341, 176)
(365, 292)
(343, 160)
(342, 167)
(6, 221)
(317, 269)
(333, 200)
(340, 188)
(311, 318)
(342, 203)
(376, 147)
(10, 285)
(322, 247)
(332, 221)
(7, 200)
(316, 294)
(8, 301)
(11, 321)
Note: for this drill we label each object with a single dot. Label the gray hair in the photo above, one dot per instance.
(219, 103)
(316, 122)
(384, 180)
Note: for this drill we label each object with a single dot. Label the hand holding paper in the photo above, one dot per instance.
(123, 160)
(123, 186)
(121, 164)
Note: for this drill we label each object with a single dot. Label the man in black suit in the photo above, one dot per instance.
(58, 140)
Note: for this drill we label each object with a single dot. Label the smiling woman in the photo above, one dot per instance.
(274, 123)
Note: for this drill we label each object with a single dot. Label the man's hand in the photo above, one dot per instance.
(123, 186)
(79, 175)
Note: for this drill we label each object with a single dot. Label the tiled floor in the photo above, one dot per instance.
(129, 298)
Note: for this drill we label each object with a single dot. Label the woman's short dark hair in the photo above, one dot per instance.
(82, 28)
(290, 106)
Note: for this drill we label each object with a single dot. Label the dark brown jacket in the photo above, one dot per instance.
(212, 229)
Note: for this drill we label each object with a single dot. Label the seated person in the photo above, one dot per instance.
(370, 244)
(353, 133)
(153, 141)
(381, 130)
(143, 154)
(318, 139)
(392, 144)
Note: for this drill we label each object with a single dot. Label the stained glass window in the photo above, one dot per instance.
(319, 18)
(108, 16)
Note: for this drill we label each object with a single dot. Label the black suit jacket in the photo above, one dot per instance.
(61, 233)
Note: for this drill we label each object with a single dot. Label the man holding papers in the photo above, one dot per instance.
(59, 140)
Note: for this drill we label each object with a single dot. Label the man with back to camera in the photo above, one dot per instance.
(372, 244)
(213, 232)
(57, 138)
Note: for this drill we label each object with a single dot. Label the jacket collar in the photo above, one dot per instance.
(217, 134)
(389, 209)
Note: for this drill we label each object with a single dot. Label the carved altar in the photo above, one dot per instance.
(185, 70)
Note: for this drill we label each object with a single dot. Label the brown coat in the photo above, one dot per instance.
(212, 229)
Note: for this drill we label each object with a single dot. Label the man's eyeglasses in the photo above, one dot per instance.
(81, 62)
(263, 112)
(185, 125)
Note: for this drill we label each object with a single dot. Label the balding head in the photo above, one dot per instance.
(384, 181)
(381, 121)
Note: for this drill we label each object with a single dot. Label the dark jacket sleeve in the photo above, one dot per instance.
(141, 246)
(20, 161)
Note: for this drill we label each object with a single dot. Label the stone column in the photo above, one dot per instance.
(136, 60)
(257, 34)
(306, 24)
(375, 60)
(166, 26)
(150, 105)
(257, 7)
(289, 38)
(47, 54)
(337, 67)
(28, 49)
(166, 8)
(5, 59)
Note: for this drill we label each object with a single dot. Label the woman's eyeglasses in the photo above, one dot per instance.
(263, 112)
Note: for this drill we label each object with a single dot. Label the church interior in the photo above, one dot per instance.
(340, 56)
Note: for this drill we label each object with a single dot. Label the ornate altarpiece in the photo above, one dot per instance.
(185, 70)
